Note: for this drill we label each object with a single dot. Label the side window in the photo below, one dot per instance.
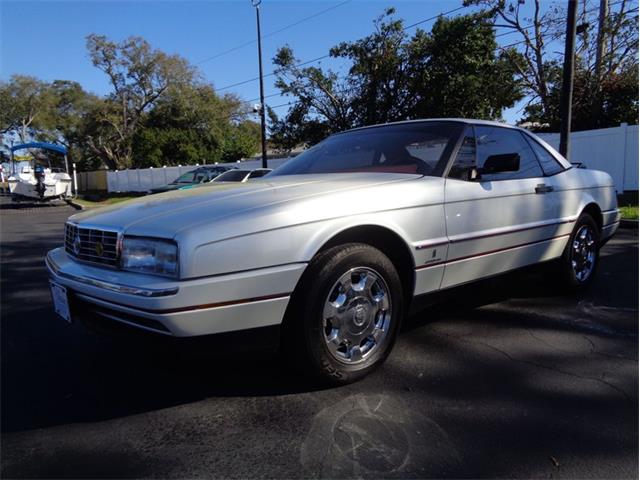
(549, 164)
(466, 157)
(497, 141)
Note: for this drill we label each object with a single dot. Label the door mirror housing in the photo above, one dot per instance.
(506, 162)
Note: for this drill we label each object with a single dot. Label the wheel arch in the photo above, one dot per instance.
(593, 209)
(388, 242)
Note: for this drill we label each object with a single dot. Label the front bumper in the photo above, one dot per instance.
(202, 306)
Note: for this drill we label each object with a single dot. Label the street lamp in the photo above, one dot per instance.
(256, 4)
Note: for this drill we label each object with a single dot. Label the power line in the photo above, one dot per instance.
(551, 34)
(270, 74)
(353, 88)
(435, 17)
(449, 12)
(322, 57)
(409, 27)
(515, 30)
(275, 32)
(266, 96)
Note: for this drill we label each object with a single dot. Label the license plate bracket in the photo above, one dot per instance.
(61, 301)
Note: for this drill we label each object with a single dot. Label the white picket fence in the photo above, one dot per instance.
(144, 179)
(613, 150)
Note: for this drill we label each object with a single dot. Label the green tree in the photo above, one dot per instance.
(139, 76)
(452, 71)
(24, 104)
(192, 124)
(322, 101)
(31, 109)
(457, 72)
(297, 127)
(380, 74)
(63, 121)
(618, 101)
(531, 63)
(241, 141)
(606, 59)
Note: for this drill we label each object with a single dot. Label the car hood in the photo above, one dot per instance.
(167, 214)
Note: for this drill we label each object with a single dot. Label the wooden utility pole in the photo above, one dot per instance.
(602, 26)
(263, 123)
(567, 78)
(596, 100)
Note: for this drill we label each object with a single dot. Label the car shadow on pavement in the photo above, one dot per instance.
(54, 373)
(524, 405)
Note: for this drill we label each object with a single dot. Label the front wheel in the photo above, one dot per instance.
(344, 315)
(579, 261)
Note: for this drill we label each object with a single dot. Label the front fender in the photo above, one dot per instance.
(299, 243)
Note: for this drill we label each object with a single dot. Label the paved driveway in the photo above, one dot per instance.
(505, 379)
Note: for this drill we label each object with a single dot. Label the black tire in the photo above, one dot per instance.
(568, 278)
(304, 339)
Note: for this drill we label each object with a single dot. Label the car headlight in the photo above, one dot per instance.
(149, 255)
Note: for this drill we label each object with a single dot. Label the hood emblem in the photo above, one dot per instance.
(99, 248)
(77, 243)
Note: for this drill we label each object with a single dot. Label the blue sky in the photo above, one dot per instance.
(46, 39)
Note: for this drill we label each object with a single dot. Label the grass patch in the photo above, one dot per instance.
(629, 212)
(93, 201)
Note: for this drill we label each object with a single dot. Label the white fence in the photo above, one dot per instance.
(144, 179)
(613, 150)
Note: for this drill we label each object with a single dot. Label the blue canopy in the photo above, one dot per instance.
(47, 146)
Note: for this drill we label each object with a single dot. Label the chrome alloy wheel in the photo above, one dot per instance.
(357, 315)
(583, 253)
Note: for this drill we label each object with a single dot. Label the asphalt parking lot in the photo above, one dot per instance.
(504, 379)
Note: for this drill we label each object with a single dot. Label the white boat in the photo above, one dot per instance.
(40, 182)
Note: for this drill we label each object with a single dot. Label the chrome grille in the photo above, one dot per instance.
(91, 245)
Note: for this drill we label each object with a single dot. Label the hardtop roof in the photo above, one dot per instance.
(466, 121)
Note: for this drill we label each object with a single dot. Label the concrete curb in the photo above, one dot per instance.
(624, 223)
(73, 204)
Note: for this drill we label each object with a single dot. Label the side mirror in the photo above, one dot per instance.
(506, 162)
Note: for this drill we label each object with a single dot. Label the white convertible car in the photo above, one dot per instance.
(333, 246)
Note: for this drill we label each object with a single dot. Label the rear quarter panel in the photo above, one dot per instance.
(579, 187)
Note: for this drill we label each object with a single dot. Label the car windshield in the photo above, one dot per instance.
(416, 148)
(188, 177)
(232, 176)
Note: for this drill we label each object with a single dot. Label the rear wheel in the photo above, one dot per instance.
(344, 316)
(579, 261)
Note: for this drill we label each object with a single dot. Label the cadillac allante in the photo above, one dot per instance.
(332, 247)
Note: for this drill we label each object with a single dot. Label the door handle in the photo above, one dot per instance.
(542, 188)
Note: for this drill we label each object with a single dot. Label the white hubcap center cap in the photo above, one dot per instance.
(360, 315)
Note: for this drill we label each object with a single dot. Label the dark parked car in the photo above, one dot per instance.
(242, 175)
(203, 174)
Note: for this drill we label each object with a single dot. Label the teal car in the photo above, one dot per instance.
(203, 174)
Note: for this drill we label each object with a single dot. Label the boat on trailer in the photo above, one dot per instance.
(38, 182)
